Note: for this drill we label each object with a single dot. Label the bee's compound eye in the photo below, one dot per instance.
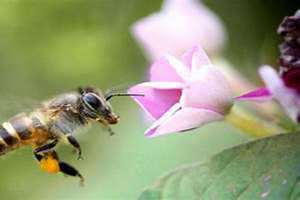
(92, 101)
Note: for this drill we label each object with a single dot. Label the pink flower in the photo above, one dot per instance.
(179, 25)
(283, 89)
(184, 94)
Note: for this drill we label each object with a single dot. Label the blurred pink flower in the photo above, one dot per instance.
(179, 25)
(184, 94)
(284, 89)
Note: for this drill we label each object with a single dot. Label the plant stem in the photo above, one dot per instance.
(251, 124)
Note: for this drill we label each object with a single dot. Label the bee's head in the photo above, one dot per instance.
(96, 107)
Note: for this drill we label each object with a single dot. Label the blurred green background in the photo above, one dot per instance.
(53, 46)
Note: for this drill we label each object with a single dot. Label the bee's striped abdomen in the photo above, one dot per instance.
(22, 125)
(8, 139)
(15, 133)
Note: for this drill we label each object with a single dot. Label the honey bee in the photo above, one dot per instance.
(56, 120)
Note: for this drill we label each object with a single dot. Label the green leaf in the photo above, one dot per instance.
(268, 168)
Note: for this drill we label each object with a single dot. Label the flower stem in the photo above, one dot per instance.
(251, 124)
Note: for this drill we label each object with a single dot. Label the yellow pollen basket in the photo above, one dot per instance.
(50, 165)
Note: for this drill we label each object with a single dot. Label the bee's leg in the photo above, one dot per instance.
(71, 171)
(46, 147)
(50, 163)
(37, 156)
(72, 140)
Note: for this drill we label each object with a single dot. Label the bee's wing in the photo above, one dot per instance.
(10, 106)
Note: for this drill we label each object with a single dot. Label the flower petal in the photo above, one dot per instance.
(180, 25)
(195, 57)
(199, 59)
(156, 101)
(162, 70)
(208, 89)
(260, 94)
(149, 32)
(179, 120)
(181, 69)
(163, 118)
(288, 98)
(163, 85)
(195, 24)
(238, 82)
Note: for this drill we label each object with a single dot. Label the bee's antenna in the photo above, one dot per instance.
(119, 88)
(109, 96)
